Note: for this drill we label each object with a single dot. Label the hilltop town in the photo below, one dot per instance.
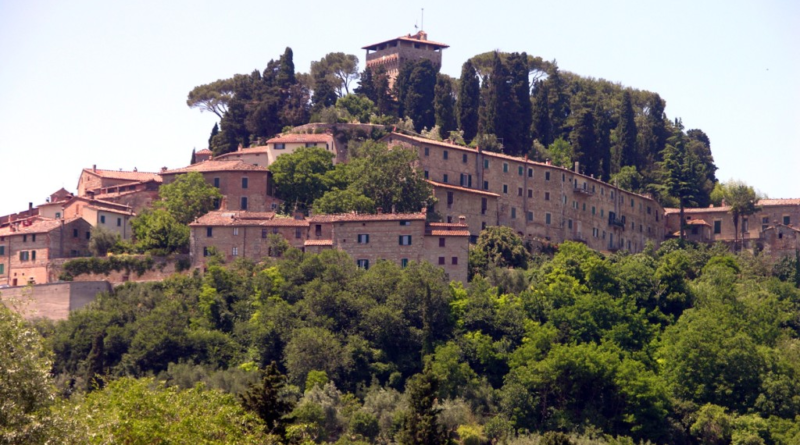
(472, 188)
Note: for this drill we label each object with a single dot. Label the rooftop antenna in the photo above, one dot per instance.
(422, 20)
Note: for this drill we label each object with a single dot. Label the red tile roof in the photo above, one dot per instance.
(252, 150)
(447, 225)
(723, 209)
(779, 202)
(35, 225)
(450, 233)
(126, 175)
(239, 219)
(300, 138)
(354, 217)
(697, 222)
(318, 242)
(461, 189)
(204, 151)
(214, 166)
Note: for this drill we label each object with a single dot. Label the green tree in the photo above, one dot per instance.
(265, 399)
(680, 174)
(541, 126)
(343, 201)
(584, 140)
(213, 97)
(468, 101)
(626, 135)
(102, 241)
(417, 93)
(339, 70)
(444, 105)
(188, 197)
(741, 200)
(420, 423)
(497, 246)
(157, 231)
(357, 106)
(214, 132)
(300, 177)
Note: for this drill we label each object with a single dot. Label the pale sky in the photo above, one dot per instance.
(86, 82)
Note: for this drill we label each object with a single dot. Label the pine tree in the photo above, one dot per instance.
(468, 101)
(444, 105)
(265, 400)
(541, 126)
(679, 169)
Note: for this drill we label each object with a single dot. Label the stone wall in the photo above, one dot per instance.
(53, 301)
(163, 267)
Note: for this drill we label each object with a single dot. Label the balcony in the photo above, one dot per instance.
(615, 222)
(582, 190)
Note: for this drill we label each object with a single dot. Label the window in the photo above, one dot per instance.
(547, 218)
(483, 225)
(298, 233)
(426, 174)
(24, 256)
(564, 177)
(547, 196)
(787, 220)
(24, 238)
(244, 183)
(484, 205)
(486, 163)
(88, 235)
(244, 203)
(593, 210)
(648, 210)
(464, 158)
(363, 238)
(318, 230)
(530, 216)
(745, 225)
(449, 199)
(280, 146)
(102, 219)
(441, 260)
(513, 213)
(427, 151)
(362, 264)
(612, 195)
(519, 191)
(263, 233)
(530, 193)
(2, 250)
(404, 240)
(505, 188)
(205, 251)
(119, 222)
(235, 231)
(569, 224)
(74, 233)
(530, 172)
(444, 178)
(505, 167)
(546, 176)
(403, 262)
(2, 269)
(632, 206)
(216, 203)
(486, 185)
(405, 223)
(444, 154)
(235, 251)
(209, 232)
(311, 144)
(58, 215)
(275, 230)
(454, 261)
(216, 182)
(520, 169)
(441, 242)
(466, 180)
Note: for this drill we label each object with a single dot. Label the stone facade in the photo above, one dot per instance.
(264, 156)
(93, 179)
(538, 200)
(392, 54)
(245, 187)
(26, 247)
(52, 301)
(113, 217)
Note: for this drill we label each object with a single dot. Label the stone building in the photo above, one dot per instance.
(392, 54)
(537, 200)
(244, 234)
(244, 186)
(265, 155)
(27, 246)
(113, 217)
(94, 179)
(752, 228)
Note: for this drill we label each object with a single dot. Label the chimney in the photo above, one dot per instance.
(723, 203)
(135, 169)
(547, 162)
(163, 169)
(94, 168)
(30, 208)
(577, 167)
(462, 219)
(380, 210)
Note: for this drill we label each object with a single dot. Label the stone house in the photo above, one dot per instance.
(537, 200)
(27, 246)
(244, 234)
(112, 216)
(244, 186)
(265, 155)
(94, 179)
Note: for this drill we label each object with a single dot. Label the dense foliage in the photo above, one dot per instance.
(680, 345)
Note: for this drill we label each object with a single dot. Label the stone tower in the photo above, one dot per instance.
(392, 54)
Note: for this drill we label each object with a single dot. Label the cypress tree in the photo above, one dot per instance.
(584, 140)
(95, 360)
(541, 127)
(468, 101)
(420, 95)
(421, 425)
(265, 400)
(518, 114)
(444, 105)
(214, 132)
(558, 102)
(401, 86)
(626, 134)
(602, 130)
(285, 76)
(324, 94)
(194, 157)
(366, 85)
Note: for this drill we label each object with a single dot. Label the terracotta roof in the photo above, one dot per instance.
(491, 154)
(779, 202)
(252, 150)
(110, 209)
(408, 38)
(301, 137)
(238, 219)
(318, 242)
(450, 233)
(697, 222)
(36, 225)
(204, 151)
(214, 165)
(354, 217)
(670, 211)
(461, 189)
(447, 225)
(94, 203)
(126, 175)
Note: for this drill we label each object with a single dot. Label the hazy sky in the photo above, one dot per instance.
(86, 82)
